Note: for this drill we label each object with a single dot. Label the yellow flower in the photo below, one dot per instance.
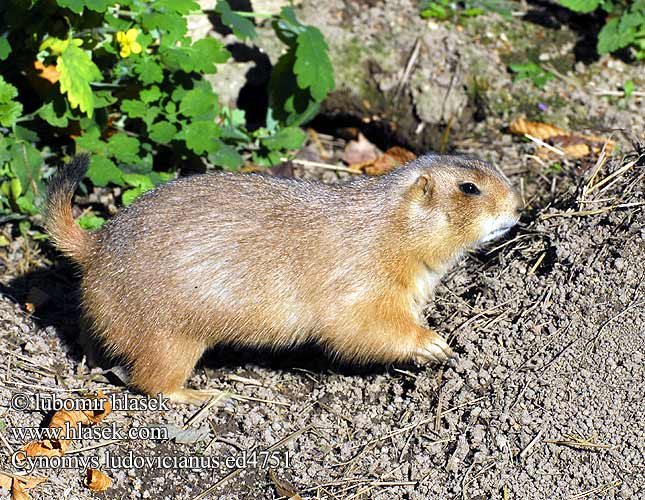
(128, 42)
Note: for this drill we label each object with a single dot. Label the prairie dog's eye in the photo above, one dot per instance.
(470, 189)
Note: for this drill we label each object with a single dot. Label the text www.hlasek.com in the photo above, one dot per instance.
(78, 432)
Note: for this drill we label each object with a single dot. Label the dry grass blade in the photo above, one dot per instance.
(600, 489)
(579, 442)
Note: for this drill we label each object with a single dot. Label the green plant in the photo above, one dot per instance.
(531, 71)
(625, 25)
(124, 81)
(443, 10)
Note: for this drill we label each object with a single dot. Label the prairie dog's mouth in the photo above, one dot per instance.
(497, 233)
(497, 228)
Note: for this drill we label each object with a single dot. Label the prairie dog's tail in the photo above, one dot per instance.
(59, 223)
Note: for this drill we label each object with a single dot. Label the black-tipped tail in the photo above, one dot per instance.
(59, 223)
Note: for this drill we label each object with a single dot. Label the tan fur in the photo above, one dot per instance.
(258, 261)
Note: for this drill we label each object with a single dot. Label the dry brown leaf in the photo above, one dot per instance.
(57, 447)
(96, 480)
(360, 151)
(572, 145)
(18, 491)
(543, 131)
(49, 73)
(283, 488)
(391, 159)
(5, 481)
(45, 448)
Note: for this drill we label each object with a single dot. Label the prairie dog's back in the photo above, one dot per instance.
(222, 243)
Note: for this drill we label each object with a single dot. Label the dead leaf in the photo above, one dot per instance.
(359, 151)
(5, 481)
(95, 480)
(391, 159)
(49, 73)
(18, 491)
(543, 131)
(572, 145)
(45, 448)
(283, 488)
(57, 447)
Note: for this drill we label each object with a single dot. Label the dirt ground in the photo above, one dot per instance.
(546, 401)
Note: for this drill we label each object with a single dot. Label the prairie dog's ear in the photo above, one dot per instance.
(424, 185)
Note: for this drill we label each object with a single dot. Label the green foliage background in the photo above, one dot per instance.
(130, 90)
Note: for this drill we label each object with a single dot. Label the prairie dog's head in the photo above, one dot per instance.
(460, 199)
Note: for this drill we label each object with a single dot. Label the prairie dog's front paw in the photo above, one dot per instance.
(433, 348)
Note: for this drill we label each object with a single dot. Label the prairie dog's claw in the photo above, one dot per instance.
(435, 350)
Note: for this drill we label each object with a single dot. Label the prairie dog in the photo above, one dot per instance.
(261, 261)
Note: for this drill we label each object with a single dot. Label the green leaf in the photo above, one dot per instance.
(162, 132)
(288, 103)
(27, 204)
(286, 138)
(103, 99)
(9, 113)
(91, 141)
(149, 71)
(75, 6)
(26, 165)
(98, 5)
(124, 148)
(436, 11)
(182, 7)
(172, 25)
(612, 38)
(313, 68)
(199, 103)
(139, 181)
(227, 157)
(10, 110)
(5, 48)
(130, 195)
(287, 27)
(582, 6)
(161, 177)
(15, 188)
(76, 72)
(200, 136)
(134, 109)
(103, 172)
(241, 26)
(628, 88)
(90, 222)
(200, 57)
(48, 113)
(150, 95)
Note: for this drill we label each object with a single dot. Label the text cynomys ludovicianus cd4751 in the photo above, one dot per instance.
(257, 261)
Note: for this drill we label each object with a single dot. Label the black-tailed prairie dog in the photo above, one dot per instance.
(255, 260)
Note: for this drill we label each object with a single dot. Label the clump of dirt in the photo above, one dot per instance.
(545, 402)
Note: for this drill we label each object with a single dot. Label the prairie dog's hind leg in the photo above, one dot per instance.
(163, 364)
